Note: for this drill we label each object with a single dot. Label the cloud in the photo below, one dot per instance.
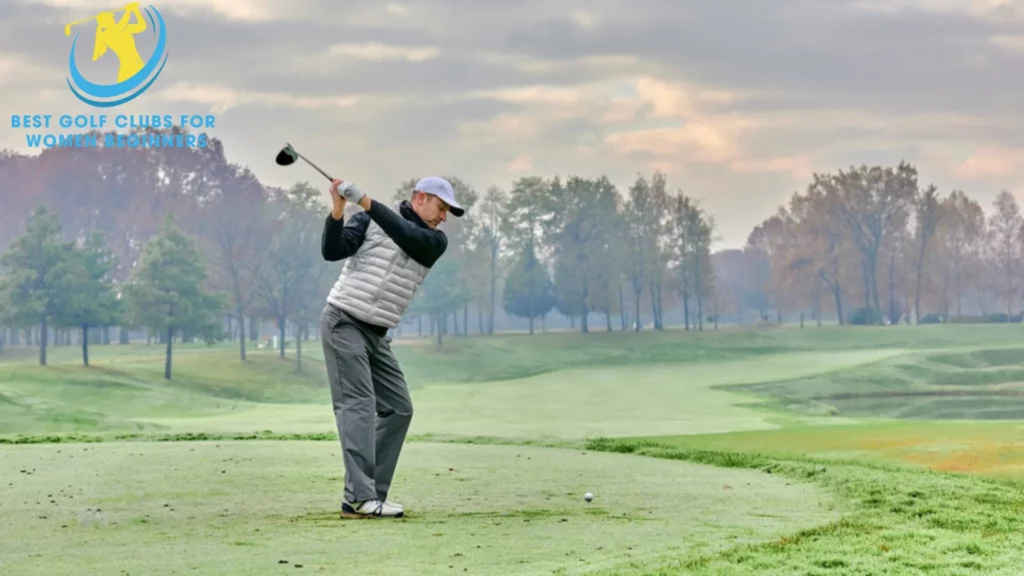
(397, 10)
(242, 10)
(520, 164)
(992, 161)
(675, 100)
(220, 99)
(544, 95)
(1012, 43)
(585, 19)
(19, 71)
(736, 100)
(693, 142)
(603, 65)
(376, 51)
(801, 167)
(702, 127)
(986, 10)
(503, 127)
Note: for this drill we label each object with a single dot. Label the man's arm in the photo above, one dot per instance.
(341, 239)
(421, 244)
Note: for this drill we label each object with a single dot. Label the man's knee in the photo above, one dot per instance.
(400, 409)
(357, 398)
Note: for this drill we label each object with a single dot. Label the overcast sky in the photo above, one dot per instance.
(737, 101)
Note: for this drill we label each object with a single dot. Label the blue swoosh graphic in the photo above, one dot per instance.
(109, 103)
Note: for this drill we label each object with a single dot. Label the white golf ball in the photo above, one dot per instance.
(588, 496)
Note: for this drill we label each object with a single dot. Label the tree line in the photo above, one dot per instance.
(871, 245)
(180, 244)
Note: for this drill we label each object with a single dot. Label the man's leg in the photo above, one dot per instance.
(394, 413)
(348, 368)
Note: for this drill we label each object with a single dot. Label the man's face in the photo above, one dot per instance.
(430, 208)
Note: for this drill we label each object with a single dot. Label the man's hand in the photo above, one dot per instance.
(338, 211)
(342, 191)
(347, 189)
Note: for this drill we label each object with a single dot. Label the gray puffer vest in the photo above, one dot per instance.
(379, 281)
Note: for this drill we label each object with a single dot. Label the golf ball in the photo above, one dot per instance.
(588, 496)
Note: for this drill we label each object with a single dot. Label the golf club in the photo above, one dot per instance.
(67, 28)
(288, 155)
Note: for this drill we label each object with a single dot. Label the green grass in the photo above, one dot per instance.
(973, 384)
(240, 508)
(520, 356)
(124, 389)
(900, 522)
(212, 391)
(815, 451)
(989, 448)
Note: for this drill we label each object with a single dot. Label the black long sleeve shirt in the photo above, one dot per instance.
(342, 239)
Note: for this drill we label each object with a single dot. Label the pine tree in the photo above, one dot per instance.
(529, 292)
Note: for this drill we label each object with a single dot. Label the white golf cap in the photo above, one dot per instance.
(437, 186)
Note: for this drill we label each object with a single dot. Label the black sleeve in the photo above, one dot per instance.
(421, 244)
(341, 239)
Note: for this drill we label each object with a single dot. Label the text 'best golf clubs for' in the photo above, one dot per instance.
(288, 155)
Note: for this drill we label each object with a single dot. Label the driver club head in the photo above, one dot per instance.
(287, 156)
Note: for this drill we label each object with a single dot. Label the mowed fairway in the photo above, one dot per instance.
(815, 451)
(613, 401)
(223, 508)
(990, 448)
(620, 401)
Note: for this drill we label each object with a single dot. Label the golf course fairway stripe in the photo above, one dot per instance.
(229, 508)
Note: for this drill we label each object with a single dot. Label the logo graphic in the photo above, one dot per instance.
(118, 36)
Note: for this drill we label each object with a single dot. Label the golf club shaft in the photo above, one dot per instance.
(314, 166)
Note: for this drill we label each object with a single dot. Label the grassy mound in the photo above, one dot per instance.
(979, 384)
(125, 390)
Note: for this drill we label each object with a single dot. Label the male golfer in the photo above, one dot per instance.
(387, 254)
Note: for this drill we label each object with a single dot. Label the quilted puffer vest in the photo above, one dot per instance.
(378, 282)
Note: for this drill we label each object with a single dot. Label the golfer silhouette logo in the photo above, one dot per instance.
(116, 36)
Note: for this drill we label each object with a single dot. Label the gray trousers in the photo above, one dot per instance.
(372, 407)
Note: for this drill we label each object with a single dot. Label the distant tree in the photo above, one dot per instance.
(758, 286)
(442, 294)
(287, 280)
(961, 235)
(583, 216)
(490, 242)
(1006, 227)
(461, 233)
(529, 292)
(19, 192)
(693, 231)
(928, 211)
(528, 210)
(871, 203)
(647, 215)
(41, 278)
(236, 233)
(94, 301)
(165, 292)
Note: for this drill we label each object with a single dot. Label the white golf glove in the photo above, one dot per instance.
(350, 192)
